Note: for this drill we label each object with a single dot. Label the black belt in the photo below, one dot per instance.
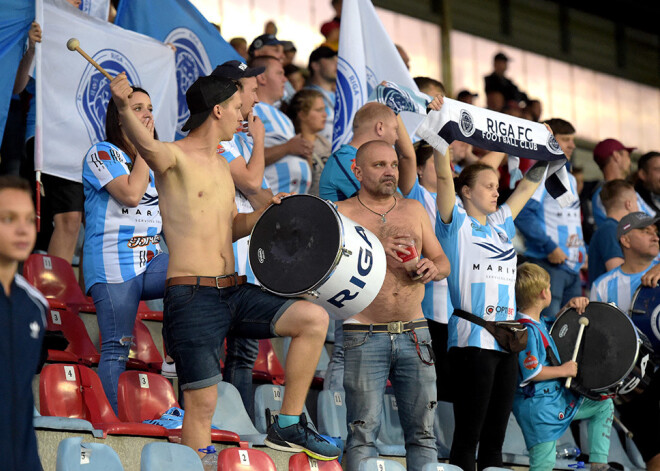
(395, 327)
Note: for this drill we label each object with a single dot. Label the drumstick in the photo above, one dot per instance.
(74, 45)
(623, 428)
(583, 323)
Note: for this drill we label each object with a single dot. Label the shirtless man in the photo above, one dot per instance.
(204, 298)
(390, 338)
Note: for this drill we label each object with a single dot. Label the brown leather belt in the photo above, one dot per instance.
(395, 327)
(224, 281)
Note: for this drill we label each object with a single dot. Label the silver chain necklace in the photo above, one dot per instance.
(382, 215)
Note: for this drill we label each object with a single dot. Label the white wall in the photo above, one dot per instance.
(598, 105)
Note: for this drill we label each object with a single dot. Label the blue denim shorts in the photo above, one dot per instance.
(198, 318)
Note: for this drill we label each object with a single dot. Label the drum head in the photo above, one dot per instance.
(295, 244)
(609, 345)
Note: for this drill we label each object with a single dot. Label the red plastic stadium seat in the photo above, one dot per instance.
(75, 391)
(267, 368)
(147, 314)
(239, 459)
(145, 396)
(302, 462)
(54, 277)
(144, 349)
(80, 349)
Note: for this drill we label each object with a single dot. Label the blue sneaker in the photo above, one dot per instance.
(301, 437)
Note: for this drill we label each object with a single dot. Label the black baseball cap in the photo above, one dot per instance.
(321, 52)
(203, 95)
(500, 56)
(236, 70)
(636, 220)
(261, 41)
(466, 93)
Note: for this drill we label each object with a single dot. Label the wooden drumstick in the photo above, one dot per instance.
(623, 428)
(583, 321)
(74, 45)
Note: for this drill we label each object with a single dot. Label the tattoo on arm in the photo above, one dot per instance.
(535, 174)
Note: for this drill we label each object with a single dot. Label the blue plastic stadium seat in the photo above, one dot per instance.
(230, 414)
(380, 464)
(269, 397)
(158, 456)
(445, 467)
(73, 455)
(391, 441)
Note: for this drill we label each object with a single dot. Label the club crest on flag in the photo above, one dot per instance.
(192, 61)
(93, 94)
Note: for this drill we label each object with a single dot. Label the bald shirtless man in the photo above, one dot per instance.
(390, 338)
(204, 298)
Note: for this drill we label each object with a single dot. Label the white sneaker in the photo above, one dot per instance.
(168, 369)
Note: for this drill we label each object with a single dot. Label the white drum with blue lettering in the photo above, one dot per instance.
(305, 248)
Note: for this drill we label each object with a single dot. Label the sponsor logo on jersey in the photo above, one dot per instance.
(530, 362)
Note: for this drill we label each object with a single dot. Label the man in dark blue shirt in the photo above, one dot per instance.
(22, 326)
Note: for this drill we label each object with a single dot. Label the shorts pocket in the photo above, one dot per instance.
(180, 294)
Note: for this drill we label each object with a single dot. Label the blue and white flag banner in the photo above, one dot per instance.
(499, 132)
(15, 19)
(96, 8)
(199, 45)
(72, 96)
(367, 56)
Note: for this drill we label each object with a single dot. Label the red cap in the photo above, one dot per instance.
(329, 27)
(604, 149)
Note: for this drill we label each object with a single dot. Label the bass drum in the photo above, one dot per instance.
(612, 358)
(305, 248)
(645, 314)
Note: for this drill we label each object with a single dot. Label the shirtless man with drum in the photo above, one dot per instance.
(390, 338)
(204, 298)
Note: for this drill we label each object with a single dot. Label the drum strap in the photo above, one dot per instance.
(554, 361)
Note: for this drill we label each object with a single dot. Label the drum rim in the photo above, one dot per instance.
(633, 300)
(617, 384)
(333, 267)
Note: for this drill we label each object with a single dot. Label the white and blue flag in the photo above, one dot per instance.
(367, 56)
(72, 100)
(199, 46)
(15, 19)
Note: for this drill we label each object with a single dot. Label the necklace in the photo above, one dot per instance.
(382, 215)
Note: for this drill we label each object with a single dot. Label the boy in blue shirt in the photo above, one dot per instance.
(542, 405)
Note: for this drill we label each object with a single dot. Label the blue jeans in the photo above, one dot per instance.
(241, 355)
(116, 308)
(369, 359)
(564, 285)
(334, 376)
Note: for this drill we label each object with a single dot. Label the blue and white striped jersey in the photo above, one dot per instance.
(617, 287)
(241, 147)
(119, 241)
(483, 273)
(292, 173)
(436, 304)
(599, 210)
(329, 100)
(546, 225)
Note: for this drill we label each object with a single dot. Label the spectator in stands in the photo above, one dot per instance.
(270, 28)
(245, 155)
(497, 82)
(374, 350)
(613, 158)
(638, 237)
(404, 56)
(62, 205)
(307, 112)
(553, 235)
(543, 407)
(122, 261)
(619, 199)
(648, 179)
(330, 29)
(241, 46)
(287, 154)
(266, 45)
(22, 323)
(466, 96)
(431, 87)
(289, 52)
(534, 109)
(323, 78)
(495, 101)
(295, 77)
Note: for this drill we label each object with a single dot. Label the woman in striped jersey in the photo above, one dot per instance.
(476, 236)
(122, 261)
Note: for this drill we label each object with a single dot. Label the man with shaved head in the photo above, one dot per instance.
(390, 338)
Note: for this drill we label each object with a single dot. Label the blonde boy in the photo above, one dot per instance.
(542, 405)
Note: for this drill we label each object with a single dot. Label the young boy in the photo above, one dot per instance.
(542, 405)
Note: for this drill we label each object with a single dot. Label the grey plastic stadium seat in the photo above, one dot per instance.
(158, 456)
(73, 455)
(380, 464)
(230, 414)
